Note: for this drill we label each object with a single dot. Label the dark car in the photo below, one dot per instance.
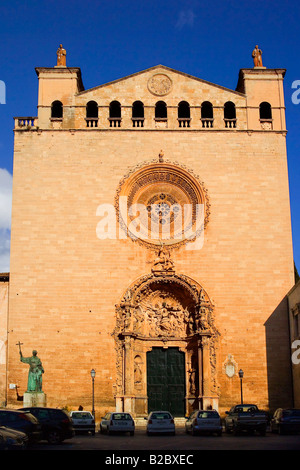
(204, 421)
(10, 439)
(56, 424)
(286, 421)
(22, 421)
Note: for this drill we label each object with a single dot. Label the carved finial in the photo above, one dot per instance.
(161, 156)
(61, 56)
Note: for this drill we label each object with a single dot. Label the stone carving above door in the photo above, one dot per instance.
(165, 309)
(165, 305)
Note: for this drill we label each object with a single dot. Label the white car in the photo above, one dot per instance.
(160, 422)
(117, 422)
(83, 421)
(206, 421)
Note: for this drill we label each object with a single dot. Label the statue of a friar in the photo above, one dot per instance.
(35, 371)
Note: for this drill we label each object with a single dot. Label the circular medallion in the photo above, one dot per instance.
(160, 84)
(163, 203)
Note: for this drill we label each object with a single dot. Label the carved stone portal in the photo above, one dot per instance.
(165, 310)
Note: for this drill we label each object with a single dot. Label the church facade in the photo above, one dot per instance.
(151, 242)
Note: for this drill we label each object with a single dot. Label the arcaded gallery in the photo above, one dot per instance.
(151, 242)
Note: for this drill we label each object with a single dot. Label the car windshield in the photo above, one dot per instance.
(245, 408)
(121, 416)
(81, 415)
(208, 414)
(161, 416)
(291, 413)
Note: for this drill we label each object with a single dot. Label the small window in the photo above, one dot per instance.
(265, 111)
(229, 114)
(92, 114)
(115, 114)
(161, 110)
(137, 109)
(115, 109)
(57, 110)
(207, 114)
(138, 114)
(184, 114)
(92, 109)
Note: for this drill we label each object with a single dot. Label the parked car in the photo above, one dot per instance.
(204, 421)
(55, 423)
(246, 418)
(21, 421)
(117, 422)
(160, 422)
(286, 421)
(83, 421)
(10, 439)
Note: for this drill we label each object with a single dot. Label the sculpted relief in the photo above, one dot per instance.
(164, 309)
(164, 304)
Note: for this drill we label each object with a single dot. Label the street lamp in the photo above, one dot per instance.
(241, 375)
(93, 373)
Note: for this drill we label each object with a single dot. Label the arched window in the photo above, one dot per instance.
(56, 110)
(115, 114)
(229, 114)
(265, 111)
(207, 114)
(184, 115)
(92, 114)
(138, 114)
(161, 111)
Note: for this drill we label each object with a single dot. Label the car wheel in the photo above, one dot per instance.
(235, 430)
(132, 433)
(193, 432)
(54, 437)
(281, 430)
(263, 431)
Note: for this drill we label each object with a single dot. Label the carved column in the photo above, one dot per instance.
(206, 366)
(204, 371)
(200, 369)
(129, 375)
(128, 362)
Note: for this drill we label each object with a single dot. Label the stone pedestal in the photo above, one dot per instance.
(34, 399)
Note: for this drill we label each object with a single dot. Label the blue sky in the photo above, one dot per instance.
(110, 39)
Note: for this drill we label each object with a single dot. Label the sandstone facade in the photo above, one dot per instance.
(84, 302)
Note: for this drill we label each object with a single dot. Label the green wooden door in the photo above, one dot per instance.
(166, 380)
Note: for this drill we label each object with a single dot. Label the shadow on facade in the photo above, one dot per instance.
(278, 351)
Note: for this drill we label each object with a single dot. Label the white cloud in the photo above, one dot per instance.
(5, 218)
(4, 251)
(5, 198)
(185, 18)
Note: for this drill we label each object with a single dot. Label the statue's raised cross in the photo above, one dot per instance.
(19, 344)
